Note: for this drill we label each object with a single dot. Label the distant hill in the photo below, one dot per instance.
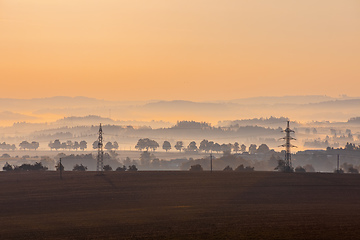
(96, 120)
(284, 100)
(296, 108)
(9, 117)
(83, 121)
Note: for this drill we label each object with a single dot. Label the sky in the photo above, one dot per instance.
(199, 50)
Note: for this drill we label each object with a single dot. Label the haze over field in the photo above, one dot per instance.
(239, 68)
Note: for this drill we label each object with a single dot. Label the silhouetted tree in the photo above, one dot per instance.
(353, 170)
(121, 169)
(109, 146)
(34, 145)
(153, 145)
(107, 168)
(80, 167)
(196, 168)
(236, 147)
(179, 145)
(8, 167)
(29, 167)
(142, 144)
(300, 169)
(64, 145)
(350, 147)
(55, 145)
(166, 146)
(226, 148)
(83, 145)
(210, 146)
(204, 145)
(24, 145)
(241, 168)
(69, 145)
(263, 148)
(252, 148)
(243, 148)
(216, 147)
(228, 169)
(95, 144)
(146, 143)
(76, 145)
(5, 146)
(249, 169)
(115, 145)
(132, 168)
(192, 147)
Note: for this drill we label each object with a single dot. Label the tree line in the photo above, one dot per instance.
(205, 146)
(77, 167)
(68, 145)
(144, 144)
(23, 145)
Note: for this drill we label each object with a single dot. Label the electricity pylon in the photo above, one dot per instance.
(100, 156)
(288, 146)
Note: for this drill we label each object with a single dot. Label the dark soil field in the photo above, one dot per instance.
(179, 205)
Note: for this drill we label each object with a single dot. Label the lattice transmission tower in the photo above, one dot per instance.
(100, 156)
(288, 146)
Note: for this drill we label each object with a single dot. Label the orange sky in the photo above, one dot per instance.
(183, 49)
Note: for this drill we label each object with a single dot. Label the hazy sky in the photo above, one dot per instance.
(184, 49)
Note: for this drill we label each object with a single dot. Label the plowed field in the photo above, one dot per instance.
(179, 205)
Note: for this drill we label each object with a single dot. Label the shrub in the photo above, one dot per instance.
(196, 168)
(121, 169)
(241, 168)
(8, 167)
(107, 168)
(80, 167)
(353, 170)
(228, 169)
(300, 169)
(28, 167)
(281, 167)
(132, 168)
(339, 171)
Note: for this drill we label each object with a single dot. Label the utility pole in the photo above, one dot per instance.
(338, 164)
(211, 158)
(100, 157)
(60, 169)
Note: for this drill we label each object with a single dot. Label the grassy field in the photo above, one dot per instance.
(179, 205)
